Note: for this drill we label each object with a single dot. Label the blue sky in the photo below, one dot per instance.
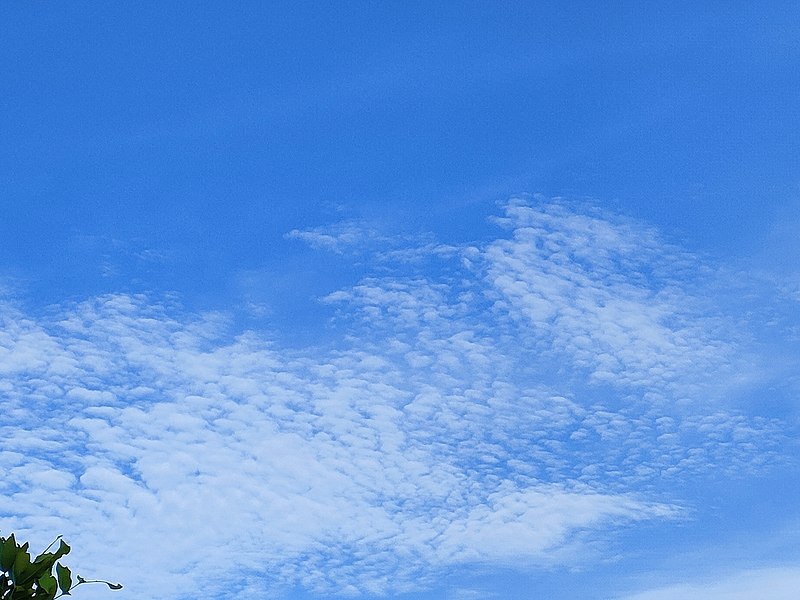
(392, 300)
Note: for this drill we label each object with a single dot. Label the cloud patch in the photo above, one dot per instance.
(523, 393)
(773, 583)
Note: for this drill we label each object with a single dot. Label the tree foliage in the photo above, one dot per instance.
(41, 578)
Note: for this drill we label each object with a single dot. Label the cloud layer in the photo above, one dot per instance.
(495, 403)
(774, 583)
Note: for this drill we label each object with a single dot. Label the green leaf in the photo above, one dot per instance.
(22, 593)
(63, 548)
(43, 564)
(46, 560)
(8, 553)
(33, 572)
(21, 563)
(52, 557)
(49, 584)
(64, 578)
(114, 586)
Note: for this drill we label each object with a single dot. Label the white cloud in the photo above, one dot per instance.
(339, 238)
(433, 434)
(609, 297)
(529, 525)
(772, 583)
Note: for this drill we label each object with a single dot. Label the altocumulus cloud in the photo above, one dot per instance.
(510, 403)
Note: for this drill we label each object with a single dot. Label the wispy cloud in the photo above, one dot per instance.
(536, 387)
(340, 237)
(773, 583)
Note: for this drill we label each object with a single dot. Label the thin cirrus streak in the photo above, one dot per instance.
(778, 583)
(545, 383)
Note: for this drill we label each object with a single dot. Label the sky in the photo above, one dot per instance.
(403, 300)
